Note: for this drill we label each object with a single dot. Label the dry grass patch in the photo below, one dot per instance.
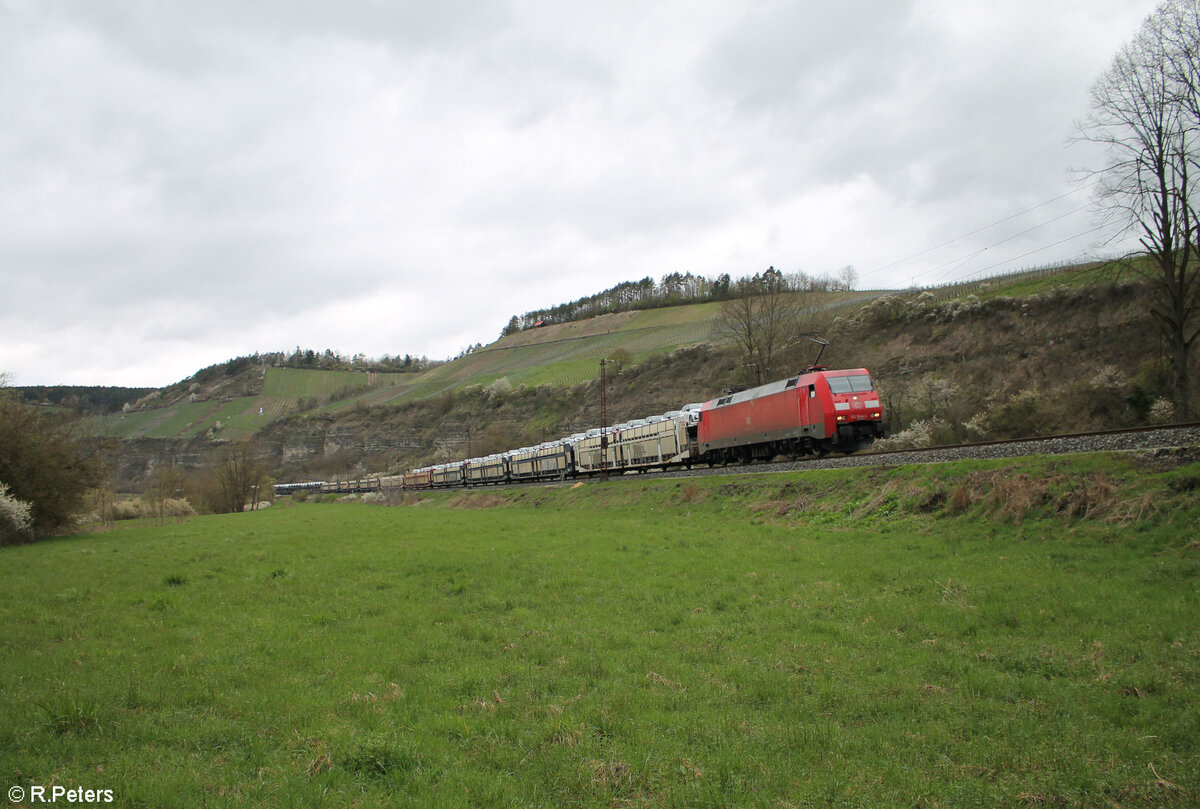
(471, 501)
(610, 774)
(1012, 496)
(1093, 497)
(658, 679)
(1016, 496)
(775, 508)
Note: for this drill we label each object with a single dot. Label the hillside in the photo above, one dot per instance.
(1047, 351)
(561, 355)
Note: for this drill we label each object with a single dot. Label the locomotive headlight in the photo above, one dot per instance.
(841, 418)
(876, 415)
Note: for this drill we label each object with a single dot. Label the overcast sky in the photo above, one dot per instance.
(185, 182)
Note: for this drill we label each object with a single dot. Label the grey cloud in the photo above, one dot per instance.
(893, 91)
(810, 58)
(216, 176)
(188, 36)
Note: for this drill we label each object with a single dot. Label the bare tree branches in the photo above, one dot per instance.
(241, 478)
(764, 317)
(1145, 112)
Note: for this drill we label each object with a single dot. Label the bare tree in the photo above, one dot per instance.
(1145, 111)
(164, 483)
(240, 477)
(848, 278)
(764, 316)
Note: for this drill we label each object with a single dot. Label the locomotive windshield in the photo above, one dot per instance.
(858, 383)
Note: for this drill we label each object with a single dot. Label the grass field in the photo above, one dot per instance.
(1023, 634)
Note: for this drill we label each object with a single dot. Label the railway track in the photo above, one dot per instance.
(1138, 438)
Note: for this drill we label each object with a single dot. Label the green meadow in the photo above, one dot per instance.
(1016, 634)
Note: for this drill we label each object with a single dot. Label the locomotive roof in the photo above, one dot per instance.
(777, 387)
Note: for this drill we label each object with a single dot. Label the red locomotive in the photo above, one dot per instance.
(815, 412)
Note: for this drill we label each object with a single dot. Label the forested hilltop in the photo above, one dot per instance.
(84, 399)
(676, 289)
(326, 360)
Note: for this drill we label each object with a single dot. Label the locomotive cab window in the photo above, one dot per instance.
(858, 383)
(812, 391)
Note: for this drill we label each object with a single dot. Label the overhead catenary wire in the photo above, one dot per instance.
(958, 262)
(1004, 240)
(991, 267)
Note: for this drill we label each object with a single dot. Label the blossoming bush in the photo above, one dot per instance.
(16, 519)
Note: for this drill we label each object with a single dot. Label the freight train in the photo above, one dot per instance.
(813, 413)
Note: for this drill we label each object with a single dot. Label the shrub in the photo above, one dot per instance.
(47, 463)
(498, 387)
(145, 508)
(622, 357)
(177, 507)
(128, 510)
(445, 402)
(920, 434)
(1019, 416)
(16, 519)
(1162, 411)
(977, 427)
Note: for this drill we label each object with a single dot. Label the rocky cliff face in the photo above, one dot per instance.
(137, 457)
